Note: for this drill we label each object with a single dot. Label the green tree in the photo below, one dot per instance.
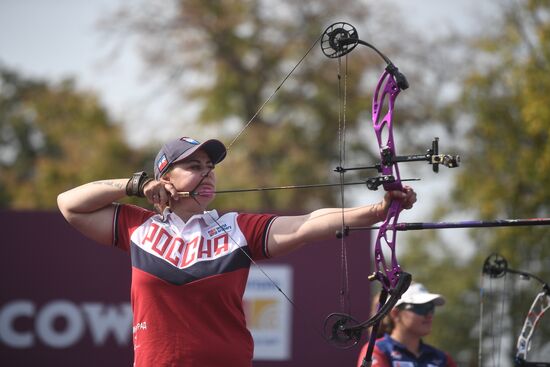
(504, 112)
(54, 137)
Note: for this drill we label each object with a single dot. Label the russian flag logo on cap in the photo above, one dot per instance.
(191, 141)
(162, 163)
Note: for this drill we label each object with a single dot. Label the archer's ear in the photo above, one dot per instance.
(394, 313)
(165, 178)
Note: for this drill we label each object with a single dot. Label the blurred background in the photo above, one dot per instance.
(90, 90)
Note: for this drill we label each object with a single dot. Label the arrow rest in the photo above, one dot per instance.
(374, 182)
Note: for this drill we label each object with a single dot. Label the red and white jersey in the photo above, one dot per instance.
(188, 280)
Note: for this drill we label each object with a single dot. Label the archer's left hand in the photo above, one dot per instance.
(407, 197)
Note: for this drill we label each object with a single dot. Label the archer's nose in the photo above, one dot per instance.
(207, 172)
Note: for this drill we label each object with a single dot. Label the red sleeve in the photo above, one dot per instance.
(450, 361)
(127, 219)
(378, 357)
(255, 228)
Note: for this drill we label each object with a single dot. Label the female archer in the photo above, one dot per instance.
(190, 264)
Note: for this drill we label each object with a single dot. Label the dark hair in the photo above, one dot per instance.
(386, 325)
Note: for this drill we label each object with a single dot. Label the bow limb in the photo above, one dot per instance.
(386, 238)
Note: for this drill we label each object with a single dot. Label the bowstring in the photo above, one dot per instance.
(229, 146)
(273, 93)
(481, 318)
(503, 300)
(341, 123)
(238, 135)
(492, 323)
(233, 243)
(345, 302)
(496, 327)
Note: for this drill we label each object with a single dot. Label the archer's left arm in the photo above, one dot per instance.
(288, 233)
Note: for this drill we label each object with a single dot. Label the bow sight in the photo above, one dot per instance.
(431, 156)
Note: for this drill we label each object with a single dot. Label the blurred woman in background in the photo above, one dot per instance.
(399, 340)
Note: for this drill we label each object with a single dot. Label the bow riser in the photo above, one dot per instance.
(386, 238)
(383, 128)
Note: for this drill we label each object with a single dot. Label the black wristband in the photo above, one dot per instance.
(136, 183)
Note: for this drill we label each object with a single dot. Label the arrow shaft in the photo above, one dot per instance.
(464, 224)
(273, 188)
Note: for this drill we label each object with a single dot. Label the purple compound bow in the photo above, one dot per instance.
(342, 329)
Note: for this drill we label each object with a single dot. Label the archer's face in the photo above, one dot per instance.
(413, 323)
(195, 173)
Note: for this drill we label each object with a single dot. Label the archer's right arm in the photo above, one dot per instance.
(90, 208)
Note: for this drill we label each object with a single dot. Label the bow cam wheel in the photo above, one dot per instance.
(495, 266)
(339, 39)
(338, 330)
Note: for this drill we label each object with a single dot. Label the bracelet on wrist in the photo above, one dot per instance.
(136, 183)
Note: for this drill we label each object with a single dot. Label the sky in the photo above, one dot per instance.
(58, 39)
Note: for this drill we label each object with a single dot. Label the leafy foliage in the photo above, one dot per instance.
(504, 111)
(230, 56)
(52, 138)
